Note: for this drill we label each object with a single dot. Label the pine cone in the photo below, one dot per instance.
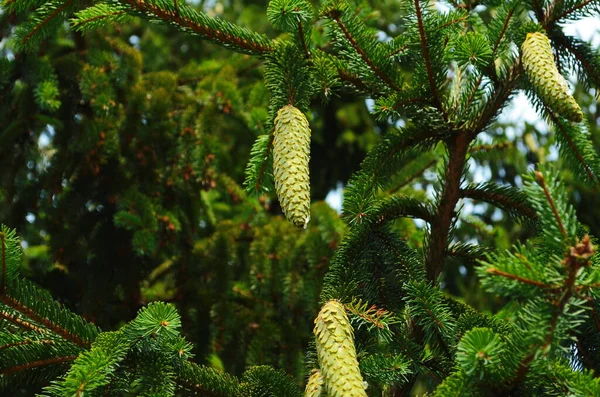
(314, 387)
(291, 152)
(549, 84)
(336, 352)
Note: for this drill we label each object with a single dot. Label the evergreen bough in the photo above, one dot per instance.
(385, 319)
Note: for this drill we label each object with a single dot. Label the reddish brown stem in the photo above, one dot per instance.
(441, 223)
(378, 72)
(45, 21)
(30, 313)
(39, 363)
(425, 49)
(522, 207)
(570, 10)
(205, 31)
(524, 280)
(542, 182)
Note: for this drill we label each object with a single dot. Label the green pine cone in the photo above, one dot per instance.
(336, 352)
(549, 84)
(314, 387)
(291, 152)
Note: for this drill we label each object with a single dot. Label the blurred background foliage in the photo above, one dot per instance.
(123, 155)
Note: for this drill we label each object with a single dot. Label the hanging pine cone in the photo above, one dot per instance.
(291, 152)
(549, 84)
(336, 352)
(314, 387)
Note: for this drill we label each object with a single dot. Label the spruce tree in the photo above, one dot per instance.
(139, 176)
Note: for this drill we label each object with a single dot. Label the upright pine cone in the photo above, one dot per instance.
(549, 84)
(336, 352)
(291, 152)
(314, 387)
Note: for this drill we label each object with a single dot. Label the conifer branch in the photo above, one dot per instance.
(495, 197)
(497, 272)
(504, 29)
(572, 146)
(30, 313)
(413, 176)
(592, 70)
(263, 166)
(334, 14)
(52, 15)
(19, 322)
(441, 223)
(357, 82)
(569, 11)
(216, 35)
(379, 317)
(100, 17)
(542, 183)
(38, 363)
(425, 49)
(303, 41)
(27, 342)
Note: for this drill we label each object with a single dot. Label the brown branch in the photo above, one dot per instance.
(412, 177)
(397, 51)
(378, 72)
(26, 342)
(425, 49)
(45, 21)
(39, 363)
(404, 144)
(304, 46)
(19, 322)
(542, 182)
(441, 223)
(571, 144)
(98, 17)
(374, 318)
(569, 11)
(357, 82)
(504, 28)
(496, 272)
(57, 329)
(491, 197)
(589, 68)
(216, 35)
(405, 102)
(577, 258)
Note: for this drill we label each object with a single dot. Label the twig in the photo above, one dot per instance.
(39, 363)
(571, 144)
(569, 11)
(542, 182)
(413, 177)
(378, 72)
(45, 21)
(524, 280)
(441, 223)
(425, 49)
(217, 35)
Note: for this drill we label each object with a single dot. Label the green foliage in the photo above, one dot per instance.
(124, 145)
